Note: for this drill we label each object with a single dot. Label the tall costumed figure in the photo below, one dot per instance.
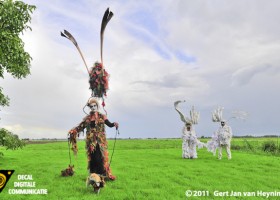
(189, 138)
(222, 137)
(94, 122)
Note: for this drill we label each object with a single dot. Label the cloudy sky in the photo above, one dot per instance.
(210, 53)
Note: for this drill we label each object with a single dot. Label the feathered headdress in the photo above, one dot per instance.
(217, 115)
(98, 77)
(194, 115)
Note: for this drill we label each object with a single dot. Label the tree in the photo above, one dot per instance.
(14, 16)
(9, 140)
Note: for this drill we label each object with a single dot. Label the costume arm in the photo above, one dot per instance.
(73, 133)
(108, 123)
(199, 144)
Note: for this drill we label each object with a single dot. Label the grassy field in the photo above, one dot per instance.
(147, 169)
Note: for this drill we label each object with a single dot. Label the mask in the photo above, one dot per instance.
(93, 107)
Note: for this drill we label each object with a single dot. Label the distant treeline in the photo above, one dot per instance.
(250, 136)
(154, 138)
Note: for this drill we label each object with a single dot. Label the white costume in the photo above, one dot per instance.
(190, 142)
(189, 137)
(213, 144)
(222, 137)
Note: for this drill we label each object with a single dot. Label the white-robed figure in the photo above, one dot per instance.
(189, 138)
(222, 137)
(224, 134)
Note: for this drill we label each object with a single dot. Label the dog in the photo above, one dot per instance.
(96, 181)
(68, 171)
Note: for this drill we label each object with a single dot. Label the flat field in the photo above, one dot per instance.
(149, 169)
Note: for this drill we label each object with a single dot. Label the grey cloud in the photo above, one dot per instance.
(143, 85)
(174, 81)
(244, 75)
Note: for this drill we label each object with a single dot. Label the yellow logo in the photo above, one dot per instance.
(2, 180)
(5, 175)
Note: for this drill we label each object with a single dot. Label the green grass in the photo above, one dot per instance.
(145, 169)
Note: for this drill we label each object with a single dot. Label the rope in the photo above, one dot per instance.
(103, 105)
(84, 109)
(117, 133)
(69, 150)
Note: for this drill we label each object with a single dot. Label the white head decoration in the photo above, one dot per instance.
(217, 115)
(194, 115)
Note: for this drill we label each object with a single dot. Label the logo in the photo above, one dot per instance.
(5, 175)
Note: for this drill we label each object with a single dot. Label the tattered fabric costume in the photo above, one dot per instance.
(189, 138)
(94, 123)
(222, 137)
(190, 142)
(98, 80)
(96, 143)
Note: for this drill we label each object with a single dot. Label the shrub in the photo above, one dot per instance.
(236, 147)
(270, 146)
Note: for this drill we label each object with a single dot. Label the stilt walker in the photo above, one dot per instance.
(95, 121)
(190, 141)
(222, 137)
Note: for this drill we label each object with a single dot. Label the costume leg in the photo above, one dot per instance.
(228, 151)
(194, 151)
(220, 152)
(215, 151)
(190, 149)
(190, 153)
(96, 161)
(185, 149)
(105, 158)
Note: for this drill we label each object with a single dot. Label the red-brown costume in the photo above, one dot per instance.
(96, 143)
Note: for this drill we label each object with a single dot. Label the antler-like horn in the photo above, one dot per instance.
(106, 18)
(68, 35)
(182, 116)
(194, 115)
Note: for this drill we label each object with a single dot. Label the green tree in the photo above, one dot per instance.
(14, 19)
(10, 140)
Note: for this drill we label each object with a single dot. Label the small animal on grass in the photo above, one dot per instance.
(96, 181)
(69, 171)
